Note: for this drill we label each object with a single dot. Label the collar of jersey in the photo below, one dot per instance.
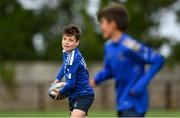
(64, 51)
(121, 38)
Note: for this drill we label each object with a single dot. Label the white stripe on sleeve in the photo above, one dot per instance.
(69, 75)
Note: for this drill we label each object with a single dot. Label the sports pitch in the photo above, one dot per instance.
(98, 113)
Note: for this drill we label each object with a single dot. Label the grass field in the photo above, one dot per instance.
(158, 113)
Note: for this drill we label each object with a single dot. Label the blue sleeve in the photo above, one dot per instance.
(105, 73)
(146, 55)
(70, 77)
(60, 74)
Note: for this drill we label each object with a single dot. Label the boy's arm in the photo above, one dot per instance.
(105, 73)
(60, 74)
(70, 77)
(145, 55)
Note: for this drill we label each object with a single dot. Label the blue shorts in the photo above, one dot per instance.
(130, 113)
(82, 103)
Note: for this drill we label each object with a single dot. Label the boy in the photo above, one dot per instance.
(80, 94)
(125, 60)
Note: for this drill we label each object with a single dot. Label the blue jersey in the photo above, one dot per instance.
(125, 61)
(76, 73)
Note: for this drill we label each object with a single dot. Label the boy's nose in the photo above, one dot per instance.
(65, 42)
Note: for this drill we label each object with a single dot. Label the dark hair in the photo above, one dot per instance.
(115, 12)
(72, 30)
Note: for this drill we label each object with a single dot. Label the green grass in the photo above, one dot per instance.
(98, 113)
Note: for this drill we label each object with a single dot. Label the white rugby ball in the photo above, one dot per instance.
(54, 91)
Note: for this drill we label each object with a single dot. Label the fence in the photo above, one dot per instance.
(32, 95)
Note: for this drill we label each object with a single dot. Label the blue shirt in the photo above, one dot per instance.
(76, 73)
(125, 61)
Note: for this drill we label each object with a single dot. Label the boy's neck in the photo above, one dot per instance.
(69, 50)
(116, 36)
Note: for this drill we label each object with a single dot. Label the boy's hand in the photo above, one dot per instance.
(59, 96)
(92, 83)
(55, 81)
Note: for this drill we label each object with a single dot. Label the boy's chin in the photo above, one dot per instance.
(67, 50)
(106, 37)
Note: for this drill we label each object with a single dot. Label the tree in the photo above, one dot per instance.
(18, 26)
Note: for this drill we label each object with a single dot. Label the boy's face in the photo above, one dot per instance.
(107, 27)
(69, 42)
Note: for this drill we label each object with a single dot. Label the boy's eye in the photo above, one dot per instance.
(71, 40)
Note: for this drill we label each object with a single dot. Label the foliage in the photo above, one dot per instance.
(18, 26)
(7, 78)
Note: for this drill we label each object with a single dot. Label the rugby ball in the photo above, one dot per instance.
(54, 89)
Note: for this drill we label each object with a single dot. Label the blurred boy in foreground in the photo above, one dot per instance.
(124, 60)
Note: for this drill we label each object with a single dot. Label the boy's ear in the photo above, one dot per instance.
(77, 42)
(113, 23)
